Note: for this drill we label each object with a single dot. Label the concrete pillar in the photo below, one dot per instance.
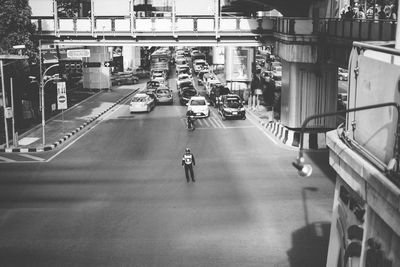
(97, 77)
(131, 56)
(308, 89)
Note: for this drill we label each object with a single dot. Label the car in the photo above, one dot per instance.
(343, 74)
(185, 84)
(260, 60)
(201, 73)
(183, 69)
(141, 103)
(210, 83)
(184, 77)
(217, 90)
(231, 106)
(123, 78)
(186, 93)
(198, 64)
(152, 85)
(140, 72)
(164, 95)
(199, 105)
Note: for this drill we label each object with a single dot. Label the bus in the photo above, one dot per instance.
(160, 59)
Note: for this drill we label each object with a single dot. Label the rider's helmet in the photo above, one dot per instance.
(187, 150)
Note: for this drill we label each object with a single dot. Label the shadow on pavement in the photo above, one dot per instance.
(310, 245)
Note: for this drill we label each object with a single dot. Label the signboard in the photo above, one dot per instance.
(91, 64)
(61, 95)
(78, 53)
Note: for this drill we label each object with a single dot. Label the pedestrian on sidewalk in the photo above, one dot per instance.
(188, 162)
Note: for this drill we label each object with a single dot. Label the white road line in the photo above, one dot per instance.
(219, 122)
(239, 127)
(31, 157)
(214, 124)
(6, 159)
(206, 122)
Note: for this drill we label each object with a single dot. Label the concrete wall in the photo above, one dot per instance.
(308, 89)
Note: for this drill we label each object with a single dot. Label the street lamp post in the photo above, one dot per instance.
(306, 169)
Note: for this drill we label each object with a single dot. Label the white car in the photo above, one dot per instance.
(198, 64)
(183, 78)
(199, 105)
(141, 103)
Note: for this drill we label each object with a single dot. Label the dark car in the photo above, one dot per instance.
(217, 90)
(231, 106)
(185, 84)
(186, 93)
(152, 86)
(123, 78)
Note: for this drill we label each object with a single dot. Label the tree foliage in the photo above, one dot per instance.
(15, 26)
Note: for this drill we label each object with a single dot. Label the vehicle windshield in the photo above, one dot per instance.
(233, 103)
(189, 92)
(163, 91)
(198, 102)
(153, 84)
(139, 99)
(183, 77)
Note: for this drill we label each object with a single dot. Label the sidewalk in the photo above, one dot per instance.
(60, 128)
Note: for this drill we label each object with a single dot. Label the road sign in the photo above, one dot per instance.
(61, 95)
(78, 53)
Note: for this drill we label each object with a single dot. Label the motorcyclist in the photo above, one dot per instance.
(190, 118)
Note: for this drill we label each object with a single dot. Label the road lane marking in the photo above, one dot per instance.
(6, 159)
(206, 122)
(263, 130)
(31, 157)
(213, 123)
(219, 122)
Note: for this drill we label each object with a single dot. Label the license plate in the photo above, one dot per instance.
(234, 113)
(198, 114)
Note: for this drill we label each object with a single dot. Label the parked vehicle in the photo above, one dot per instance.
(200, 106)
(183, 78)
(231, 106)
(141, 103)
(141, 73)
(164, 95)
(123, 78)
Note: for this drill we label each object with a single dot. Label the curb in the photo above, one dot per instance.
(292, 138)
(67, 136)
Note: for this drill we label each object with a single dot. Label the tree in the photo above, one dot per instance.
(15, 26)
(16, 29)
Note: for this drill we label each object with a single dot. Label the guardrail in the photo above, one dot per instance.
(295, 26)
(119, 26)
(359, 29)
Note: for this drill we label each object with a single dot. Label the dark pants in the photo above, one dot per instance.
(189, 167)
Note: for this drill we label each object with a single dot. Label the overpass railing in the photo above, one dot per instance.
(295, 26)
(120, 26)
(359, 29)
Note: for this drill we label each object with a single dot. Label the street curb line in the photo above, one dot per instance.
(68, 135)
(291, 137)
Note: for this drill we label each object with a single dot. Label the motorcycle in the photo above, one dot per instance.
(190, 123)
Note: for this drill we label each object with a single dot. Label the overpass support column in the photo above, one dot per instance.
(131, 56)
(308, 89)
(95, 77)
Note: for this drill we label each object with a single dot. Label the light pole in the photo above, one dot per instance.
(42, 86)
(306, 169)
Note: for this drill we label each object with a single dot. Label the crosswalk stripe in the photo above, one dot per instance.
(206, 122)
(219, 122)
(214, 124)
(31, 157)
(6, 159)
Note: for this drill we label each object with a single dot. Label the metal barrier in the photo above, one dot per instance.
(144, 25)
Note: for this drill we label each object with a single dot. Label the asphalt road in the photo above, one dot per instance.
(117, 196)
